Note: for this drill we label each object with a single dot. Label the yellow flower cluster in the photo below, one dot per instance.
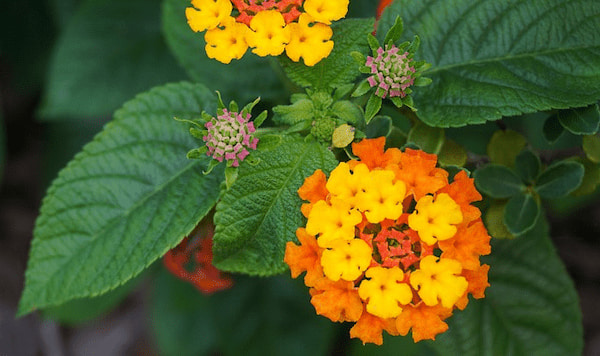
(298, 27)
(389, 243)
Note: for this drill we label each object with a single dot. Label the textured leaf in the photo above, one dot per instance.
(504, 146)
(241, 80)
(580, 121)
(261, 211)
(521, 213)
(339, 67)
(125, 200)
(501, 58)
(531, 307)
(109, 51)
(559, 179)
(429, 139)
(591, 147)
(498, 181)
(528, 166)
(255, 317)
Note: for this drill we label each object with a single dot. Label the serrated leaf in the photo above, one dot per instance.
(498, 181)
(492, 59)
(528, 165)
(256, 317)
(559, 179)
(430, 139)
(504, 146)
(126, 199)
(301, 110)
(347, 111)
(95, 67)
(580, 121)
(261, 211)
(452, 154)
(530, 308)
(591, 147)
(521, 213)
(552, 129)
(241, 80)
(494, 221)
(339, 68)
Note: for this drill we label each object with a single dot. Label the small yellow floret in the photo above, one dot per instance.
(269, 33)
(207, 14)
(332, 222)
(435, 220)
(312, 43)
(381, 197)
(344, 184)
(438, 281)
(326, 11)
(385, 291)
(346, 259)
(227, 43)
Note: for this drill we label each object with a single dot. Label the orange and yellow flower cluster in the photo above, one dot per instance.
(269, 27)
(389, 243)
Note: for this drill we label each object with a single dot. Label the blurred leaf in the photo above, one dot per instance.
(379, 126)
(474, 138)
(261, 211)
(452, 154)
(392, 345)
(62, 10)
(528, 165)
(530, 308)
(256, 317)
(493, 59)
(521, 213)
(559, 179)
(494, 221)
(498, 181)
(81, 310)
(552, 129)
(430, 139)
(591, 147)
(591, 177)
(339, 67)
(125, 200)
(504, 146)
(361, 8)
(241, 80)
(109, 51)
(580, 121)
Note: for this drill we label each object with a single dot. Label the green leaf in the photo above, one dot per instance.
(559, 179)
(96, 66)
(301, 110)
(347, 111)
(452, 154)
(256, 317)
(580, 121)
(591, 177)
(521, 213)
(528, 166)
(430, 139)
(394, 32)
(504, 146)
(552, 129)
(591, 147)
(379, 126)
(492, 59)
(494, 221)
(339, 68)
(498, 181)
(241, 80)
(530, 308)
(372, 108)
(261, 211)
(125, 200)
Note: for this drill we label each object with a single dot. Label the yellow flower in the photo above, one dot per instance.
(438, 281)
(346, 259)
(344, 184)
(385, 291)
(309, 42)
(207, 14)
(269, 35)
(332, 222)
(227, 43)
(326, 11)
(435, 220)
(381, 197)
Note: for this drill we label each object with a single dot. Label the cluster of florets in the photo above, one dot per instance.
(389, 243)
(392, 72)
(229, 137)
(298, 27)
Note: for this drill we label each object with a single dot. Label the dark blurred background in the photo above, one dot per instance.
(54, 98)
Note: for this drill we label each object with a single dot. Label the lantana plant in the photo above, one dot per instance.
(403, 168)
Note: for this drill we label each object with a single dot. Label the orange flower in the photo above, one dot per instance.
(370, 152)
(304, 258)
(417, 170)
(426, 322)
(467, 245)
(313, 189)
(463, 191)
(338, 301)
(369, 328)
